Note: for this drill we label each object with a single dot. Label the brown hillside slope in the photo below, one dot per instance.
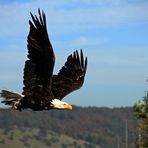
(104, 127)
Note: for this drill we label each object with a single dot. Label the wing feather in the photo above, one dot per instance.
(71, 76)
(39, 66)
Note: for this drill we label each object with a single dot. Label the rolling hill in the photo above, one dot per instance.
(88, 127)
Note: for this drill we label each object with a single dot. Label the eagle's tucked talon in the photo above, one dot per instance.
(14, 107)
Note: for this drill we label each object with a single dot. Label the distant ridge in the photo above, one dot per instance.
(86, 127)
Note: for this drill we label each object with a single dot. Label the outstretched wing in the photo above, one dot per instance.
(71, 76)
(39, 66)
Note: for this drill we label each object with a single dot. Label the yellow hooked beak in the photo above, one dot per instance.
(68, 106)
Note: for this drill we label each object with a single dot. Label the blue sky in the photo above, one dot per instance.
(112, 33)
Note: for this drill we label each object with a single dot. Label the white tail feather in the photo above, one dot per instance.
(10, 97)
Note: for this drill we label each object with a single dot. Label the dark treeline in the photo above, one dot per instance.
(103, 126)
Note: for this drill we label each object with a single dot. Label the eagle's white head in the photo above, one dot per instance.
(57, 104)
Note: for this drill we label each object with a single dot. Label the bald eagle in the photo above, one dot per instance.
(42, 89)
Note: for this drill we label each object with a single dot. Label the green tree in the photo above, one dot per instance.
(141, 113)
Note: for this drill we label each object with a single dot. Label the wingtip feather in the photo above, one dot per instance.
(82, 59)
(86, 61)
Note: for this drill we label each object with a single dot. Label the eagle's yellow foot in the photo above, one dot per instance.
(14, 107)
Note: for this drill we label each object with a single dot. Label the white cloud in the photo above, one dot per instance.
(79, 42)
(86, 41)
(60, 19)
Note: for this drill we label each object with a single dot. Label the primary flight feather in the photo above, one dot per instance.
(42, 89)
